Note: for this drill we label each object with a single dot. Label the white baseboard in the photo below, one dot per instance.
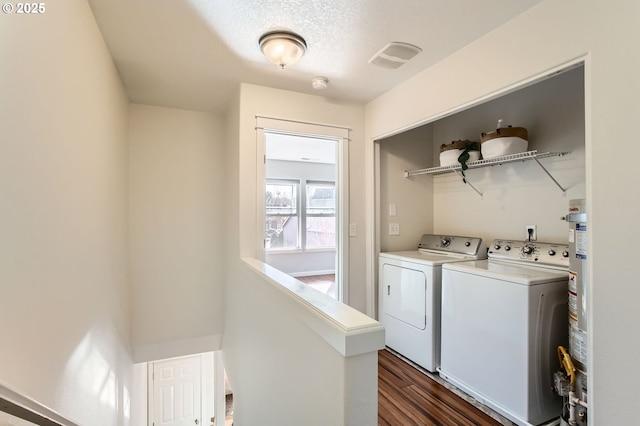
(312, 273)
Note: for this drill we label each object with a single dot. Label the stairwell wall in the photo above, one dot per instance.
(64, 298)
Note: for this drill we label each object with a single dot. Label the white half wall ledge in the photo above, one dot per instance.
(348, 330)
(17, 404)
(175, 348)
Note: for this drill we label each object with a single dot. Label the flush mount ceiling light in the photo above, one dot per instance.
(282, 48)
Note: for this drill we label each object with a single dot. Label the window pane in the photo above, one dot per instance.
(281, 199)
(281, 232)
(321, 232)
(321, 198)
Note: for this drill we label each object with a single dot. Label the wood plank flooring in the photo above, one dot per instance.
(408, 397)
(311, 279)
(323, 283)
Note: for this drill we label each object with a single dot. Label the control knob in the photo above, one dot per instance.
(565, 254)
(507, 248)
(527, 250)
(496, 246)
(552, 252)
(445, 242)
(467, 244)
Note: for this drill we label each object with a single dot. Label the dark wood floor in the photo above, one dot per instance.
(407, 397)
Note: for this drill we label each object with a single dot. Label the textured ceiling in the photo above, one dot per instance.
(191, 54)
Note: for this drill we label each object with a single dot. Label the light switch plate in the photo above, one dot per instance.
(353, 229)
(392, 210)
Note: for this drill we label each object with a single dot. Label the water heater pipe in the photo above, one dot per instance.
(567, 364)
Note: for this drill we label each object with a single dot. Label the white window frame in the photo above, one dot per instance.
(341, 136)
(302, 214)
(299, 206)
(305, 215)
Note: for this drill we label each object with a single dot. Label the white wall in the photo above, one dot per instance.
(541, 39)
(304, 264)
(280, 366)
(64, 302)
(515, 195)
(139, 393)
(257, 100)
(177, 209)
(413, 198)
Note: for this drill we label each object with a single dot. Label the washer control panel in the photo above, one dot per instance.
(453, 244)
(530, 251)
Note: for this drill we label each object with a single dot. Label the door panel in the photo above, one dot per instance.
(176, 392)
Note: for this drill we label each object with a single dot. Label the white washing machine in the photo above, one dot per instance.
(409, 294)
(502, 321)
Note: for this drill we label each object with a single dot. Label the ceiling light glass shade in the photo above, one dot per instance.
(282, 48)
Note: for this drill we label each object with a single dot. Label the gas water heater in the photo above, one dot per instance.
(575, 408)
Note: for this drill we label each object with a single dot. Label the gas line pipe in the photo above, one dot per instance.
(567, 364)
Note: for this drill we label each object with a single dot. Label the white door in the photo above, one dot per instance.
(176, 392)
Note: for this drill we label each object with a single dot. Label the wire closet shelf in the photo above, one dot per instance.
(511, 158)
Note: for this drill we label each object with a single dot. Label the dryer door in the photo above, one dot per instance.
(404, 295)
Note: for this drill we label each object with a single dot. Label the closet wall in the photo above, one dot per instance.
(511, 195)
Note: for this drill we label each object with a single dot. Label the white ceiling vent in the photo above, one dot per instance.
(394, 55)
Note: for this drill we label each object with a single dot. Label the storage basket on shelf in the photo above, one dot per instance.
(503, 141)
(449, 152)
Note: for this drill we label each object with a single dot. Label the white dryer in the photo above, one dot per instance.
(409, 294)
(502, 321)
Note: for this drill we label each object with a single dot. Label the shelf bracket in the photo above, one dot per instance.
(549, 174)
(466, 180)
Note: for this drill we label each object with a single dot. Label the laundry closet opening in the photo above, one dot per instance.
(497, 200)
(512, 196)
